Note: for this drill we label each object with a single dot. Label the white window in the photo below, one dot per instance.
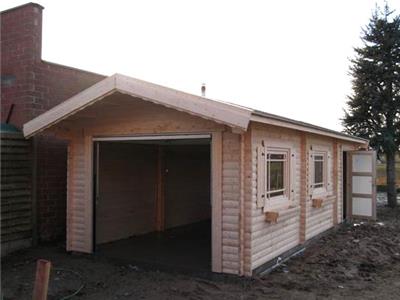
(319, 170)
(277, 174)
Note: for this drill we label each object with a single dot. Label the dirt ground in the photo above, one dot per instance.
(352, 261)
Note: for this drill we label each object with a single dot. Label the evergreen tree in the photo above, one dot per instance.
(373, 109)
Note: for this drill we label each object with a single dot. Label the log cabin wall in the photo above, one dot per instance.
(247, 240)
(79, 223)
(236, 203)
(249, 173)
(270, 240)
(230, 203)
(298, 220)
(320, 219)
(137, 117)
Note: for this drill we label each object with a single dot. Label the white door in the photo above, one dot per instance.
(361, 187)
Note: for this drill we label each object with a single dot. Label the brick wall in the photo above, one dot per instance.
(20, 51)
(34, 86)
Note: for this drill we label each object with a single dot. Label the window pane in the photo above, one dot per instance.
(318, 172)
(276, 175)
(276, 172)
(318, 157)
(277, 156)
(274, 194)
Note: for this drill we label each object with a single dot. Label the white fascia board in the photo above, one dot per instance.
(69, 107)
(303, 128)
(154, 137)
(216, 111)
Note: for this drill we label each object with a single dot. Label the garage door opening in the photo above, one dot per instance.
(153, 203)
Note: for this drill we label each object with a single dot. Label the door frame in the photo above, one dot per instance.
(350, 174)
(343, 149)
(215, 177)
(344, 190)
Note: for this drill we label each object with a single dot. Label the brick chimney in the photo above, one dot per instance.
(21, 33)
(21, 49)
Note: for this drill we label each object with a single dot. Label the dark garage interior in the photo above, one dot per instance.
(152, 203)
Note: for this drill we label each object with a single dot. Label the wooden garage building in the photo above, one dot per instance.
(145, 158)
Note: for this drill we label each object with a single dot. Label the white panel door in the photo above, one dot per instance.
(361, 189)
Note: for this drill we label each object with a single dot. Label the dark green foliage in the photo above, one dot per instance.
(373, 109)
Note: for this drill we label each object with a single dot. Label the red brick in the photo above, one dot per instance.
(39, 86)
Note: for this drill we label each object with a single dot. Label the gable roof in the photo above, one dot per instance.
(232, 115)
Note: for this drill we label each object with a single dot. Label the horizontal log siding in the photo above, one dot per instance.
(124, 115)
(16, 194)
(270, 240)
(76, 202)
(248, 198)
(230, 202)
(304, 184)
(320, 219)
(262, 241)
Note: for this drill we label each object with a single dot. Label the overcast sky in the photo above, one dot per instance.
(285, 57)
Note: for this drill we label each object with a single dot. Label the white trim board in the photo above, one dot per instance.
(269, 121)
(152, 137)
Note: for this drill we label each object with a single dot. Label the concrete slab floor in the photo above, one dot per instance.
(185, 249)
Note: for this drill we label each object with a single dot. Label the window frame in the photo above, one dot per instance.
(319, 187)
(286, 175)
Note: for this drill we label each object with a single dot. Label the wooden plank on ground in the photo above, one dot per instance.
(41, 280)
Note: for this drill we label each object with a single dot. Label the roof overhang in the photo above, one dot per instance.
(234, 116)
(270, 119)
(220, 112)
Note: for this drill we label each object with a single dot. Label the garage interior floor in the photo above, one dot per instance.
(183, 249)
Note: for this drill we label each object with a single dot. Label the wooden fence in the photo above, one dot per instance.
(16, 193)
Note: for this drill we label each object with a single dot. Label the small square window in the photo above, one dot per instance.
(277, 173)
(319, 170)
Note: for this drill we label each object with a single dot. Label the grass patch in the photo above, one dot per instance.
(381, 174)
